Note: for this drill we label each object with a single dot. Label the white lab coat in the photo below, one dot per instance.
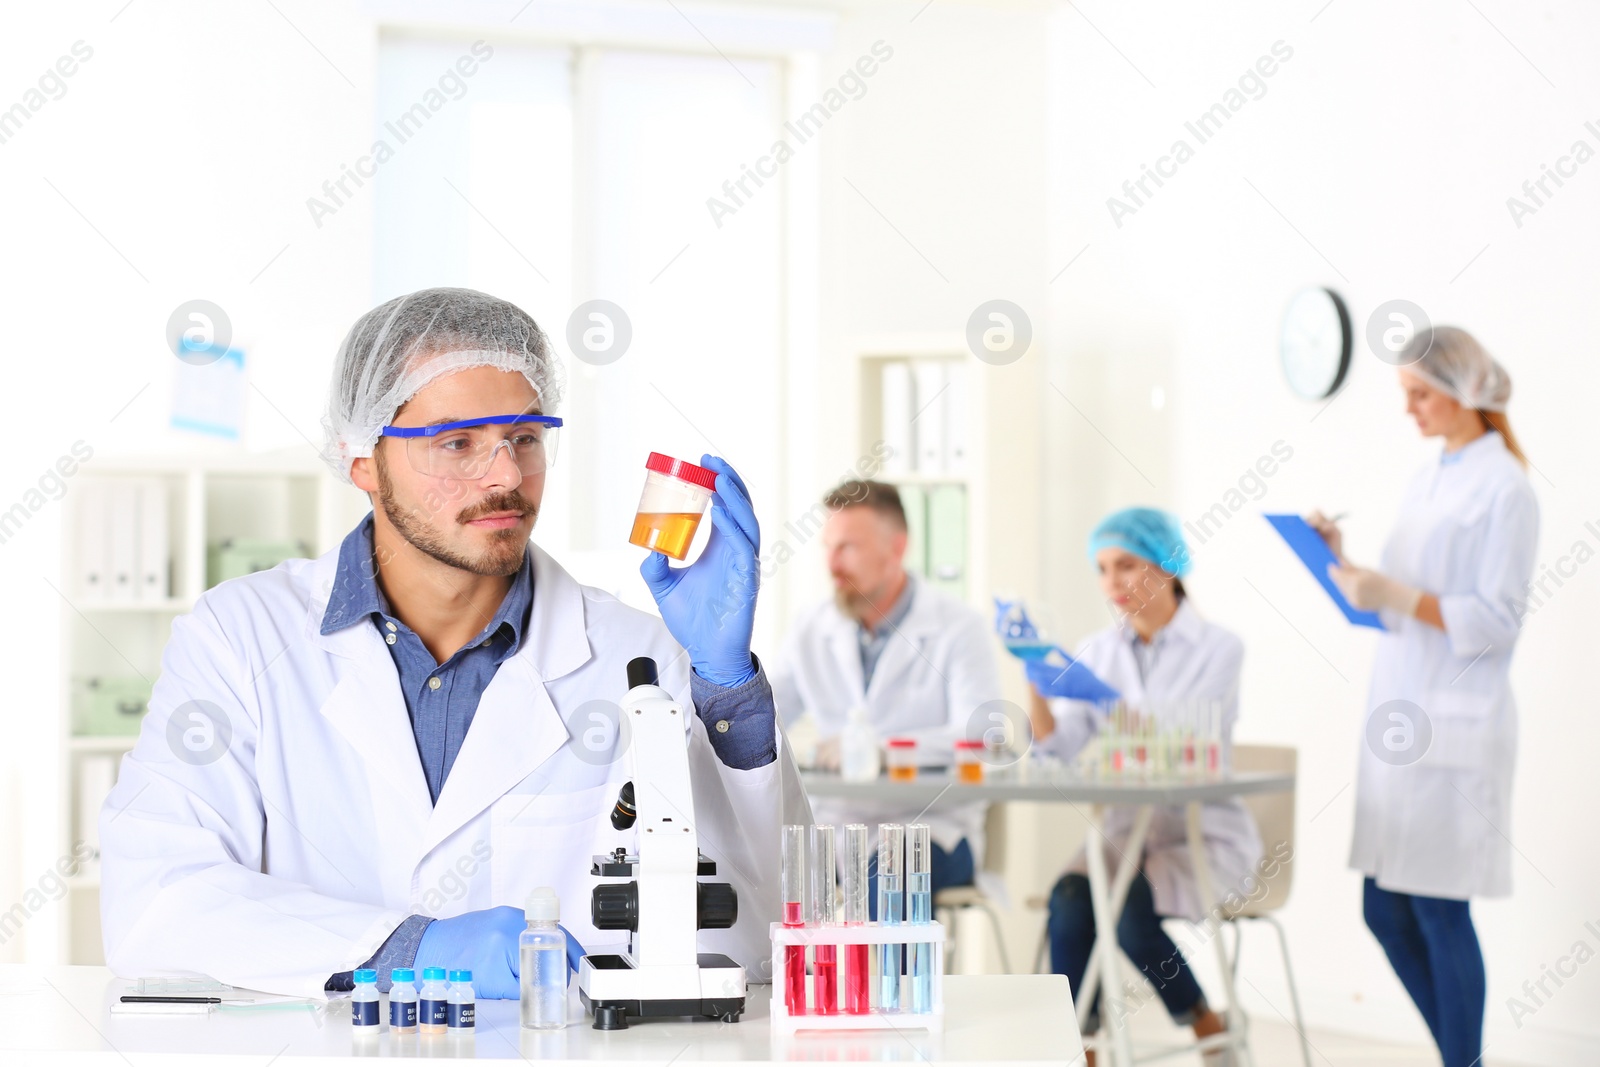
(1467, 532)
(934, 675)
(294, 855)
(1195, 660)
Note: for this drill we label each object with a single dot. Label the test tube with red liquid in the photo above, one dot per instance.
(824, 958)
(1213, 737)
(794, 915)
(857, 969)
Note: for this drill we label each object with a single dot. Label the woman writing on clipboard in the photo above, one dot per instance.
(1433, 794)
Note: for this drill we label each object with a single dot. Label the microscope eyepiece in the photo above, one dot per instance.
(642, 671)
(625, 814)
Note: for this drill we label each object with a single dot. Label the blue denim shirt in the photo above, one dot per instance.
(442, 698)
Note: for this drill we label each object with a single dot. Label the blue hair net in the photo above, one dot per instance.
(1147, 533)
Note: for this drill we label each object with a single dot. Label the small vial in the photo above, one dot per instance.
(433, 1001)
(364, 1002)
(461, 1011)
(824, 958)
(672, 504)
(794, 915)
(543, 949)
(902, 759)
(969, 762)
(891, 902)
(919, 897)
(857, 968)
(403, 1000)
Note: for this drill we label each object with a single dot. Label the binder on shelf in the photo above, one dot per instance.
(896, 393)
(122, 534)
(955, 418)
(153, 545)
(94, 566)
(928, 421)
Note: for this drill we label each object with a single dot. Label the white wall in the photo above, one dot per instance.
(1390, 141)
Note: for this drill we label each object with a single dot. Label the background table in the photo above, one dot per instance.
(1056, 785)
(59, 1016)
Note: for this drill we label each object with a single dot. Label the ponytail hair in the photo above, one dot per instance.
(1500, 424)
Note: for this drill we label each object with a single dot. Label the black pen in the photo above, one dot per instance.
(131, 999)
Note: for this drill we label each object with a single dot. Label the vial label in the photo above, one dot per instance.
(402, 1014)
(432, 1012)
(364, 1013)
(462, 1016)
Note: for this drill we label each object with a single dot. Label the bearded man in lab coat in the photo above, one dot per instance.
(919, 661)
(370, 759)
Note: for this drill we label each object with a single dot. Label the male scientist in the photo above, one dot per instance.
(919, 662)
(371, 758)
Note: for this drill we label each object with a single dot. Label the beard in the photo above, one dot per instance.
(501, 559)
(853, 602)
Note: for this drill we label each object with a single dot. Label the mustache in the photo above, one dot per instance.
(512, 501)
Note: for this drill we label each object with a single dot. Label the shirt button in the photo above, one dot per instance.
(433, 683)
(722, 726)
(390, 625)
(389, 638)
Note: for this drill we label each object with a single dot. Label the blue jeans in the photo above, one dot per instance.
(947, 869)
(1433, 948)
(1072, 934)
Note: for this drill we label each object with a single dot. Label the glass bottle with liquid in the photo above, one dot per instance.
(673, 503)
(433, 1001)
(403, 1000)
(902, 759)
(461, 1009)
(364, 1002)
(543, 951)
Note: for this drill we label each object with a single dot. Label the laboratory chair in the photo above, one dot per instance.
(1274, 815)
(948, 903)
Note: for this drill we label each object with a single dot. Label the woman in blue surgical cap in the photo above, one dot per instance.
(1161, 659)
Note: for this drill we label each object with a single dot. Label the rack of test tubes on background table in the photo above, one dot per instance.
(834, 967)
(1178, 739)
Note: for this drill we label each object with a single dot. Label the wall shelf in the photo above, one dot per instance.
(289, 496)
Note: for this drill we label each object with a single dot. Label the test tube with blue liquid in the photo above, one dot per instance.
(891, 904)
(919, 893)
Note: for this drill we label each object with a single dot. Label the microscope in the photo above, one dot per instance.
(664, 905)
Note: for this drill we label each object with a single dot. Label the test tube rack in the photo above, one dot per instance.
(860, 934)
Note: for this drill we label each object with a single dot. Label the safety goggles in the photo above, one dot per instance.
(465, 449)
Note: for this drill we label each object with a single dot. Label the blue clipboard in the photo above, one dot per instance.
(1317, 556)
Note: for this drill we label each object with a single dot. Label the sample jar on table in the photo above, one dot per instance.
(902, 759)
(969, 762)
(674, 501)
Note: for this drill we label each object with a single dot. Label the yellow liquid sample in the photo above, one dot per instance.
(668, 532)
(903, 774)
(969, 773)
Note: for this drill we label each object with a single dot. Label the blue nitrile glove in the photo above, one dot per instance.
(1062, 676)
(485, 943)
(710, 605)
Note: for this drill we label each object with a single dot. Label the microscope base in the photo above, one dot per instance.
(614, 980)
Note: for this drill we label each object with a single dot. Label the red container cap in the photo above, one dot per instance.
(969, 744)
(681, 469)
(902, 742)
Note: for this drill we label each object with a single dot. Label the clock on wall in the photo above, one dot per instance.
(1315, 343)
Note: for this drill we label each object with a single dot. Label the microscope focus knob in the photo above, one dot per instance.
(615, 906)
(717, 907)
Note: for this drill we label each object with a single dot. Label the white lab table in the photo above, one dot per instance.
(59, 1016)
(1055, 784)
